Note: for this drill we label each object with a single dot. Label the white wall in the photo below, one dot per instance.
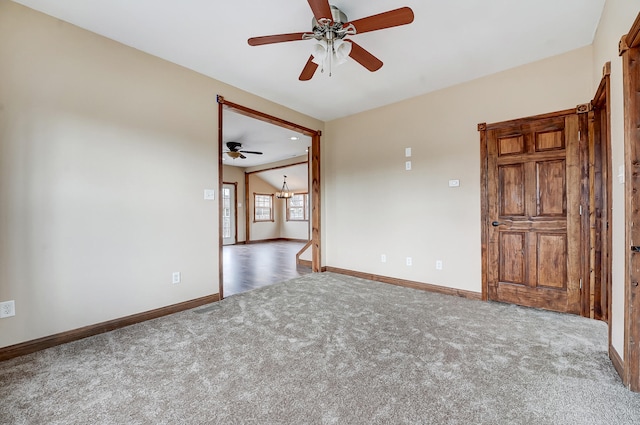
(104, 155)
(616, 20)
(372, 206)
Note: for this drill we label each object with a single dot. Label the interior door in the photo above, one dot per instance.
(228, 214)
(533, 200)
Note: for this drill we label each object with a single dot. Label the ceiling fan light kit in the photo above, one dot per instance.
(330, 26)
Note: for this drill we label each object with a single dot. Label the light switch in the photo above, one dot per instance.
(407, 165)
(454, 183)
(209, 194)
(407, 152)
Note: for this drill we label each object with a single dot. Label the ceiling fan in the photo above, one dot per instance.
(235, 150)
(330, 26)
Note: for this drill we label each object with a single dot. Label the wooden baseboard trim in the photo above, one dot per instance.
(32, 346)
(618, 364)
(304, 263)
(408, 283)
(276, 240)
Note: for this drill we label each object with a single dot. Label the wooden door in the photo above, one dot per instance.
(533, 205)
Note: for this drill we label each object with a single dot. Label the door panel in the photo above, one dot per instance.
(552, 264)
(511, 187)
(552, 199)
(533, 184)
(512, 259)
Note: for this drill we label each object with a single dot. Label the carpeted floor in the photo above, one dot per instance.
(328, 349)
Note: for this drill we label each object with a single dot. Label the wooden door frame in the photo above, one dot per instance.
(629, 49)
(600, 194)
(483, 128)
(315, 176)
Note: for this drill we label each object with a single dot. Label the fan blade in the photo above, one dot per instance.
(392, 18)
(364, 58)
(278, 38)
(242, 156)
(308, 70)
(321, 9)
(257, 153)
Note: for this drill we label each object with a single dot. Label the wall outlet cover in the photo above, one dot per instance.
(7, 309)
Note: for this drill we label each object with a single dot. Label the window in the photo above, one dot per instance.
(226, 212)
(262, 207)
(298, 207)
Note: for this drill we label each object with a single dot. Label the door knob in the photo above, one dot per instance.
(496, 223)
(635, 248)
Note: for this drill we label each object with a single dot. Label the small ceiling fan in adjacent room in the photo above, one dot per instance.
(235, 150)
(330, 27)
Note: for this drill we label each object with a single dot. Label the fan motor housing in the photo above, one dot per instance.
(337, 16)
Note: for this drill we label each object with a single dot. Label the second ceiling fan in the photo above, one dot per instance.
(330, 27)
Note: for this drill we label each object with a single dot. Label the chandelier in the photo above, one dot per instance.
(285, 193)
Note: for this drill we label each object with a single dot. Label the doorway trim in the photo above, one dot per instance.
(629, 50)
(314, 165)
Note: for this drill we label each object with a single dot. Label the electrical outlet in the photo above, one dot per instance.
(409, 261)
(175, 278)
(7, 309)
(407, 165)
(438, 264)
(383, 258)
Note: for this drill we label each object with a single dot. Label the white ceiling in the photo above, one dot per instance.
(449, 42)
(297, 177)
(273, 141)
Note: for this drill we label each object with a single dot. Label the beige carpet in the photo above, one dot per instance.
(328, 349)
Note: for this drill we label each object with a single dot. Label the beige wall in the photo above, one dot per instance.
(236, 175)
(105, 152)
(617, 18)
(104, 155)
(372, 206)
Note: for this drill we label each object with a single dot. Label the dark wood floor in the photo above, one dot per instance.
(252, 266)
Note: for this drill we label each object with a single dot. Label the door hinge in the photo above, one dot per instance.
(580, 283)
(580, 209)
